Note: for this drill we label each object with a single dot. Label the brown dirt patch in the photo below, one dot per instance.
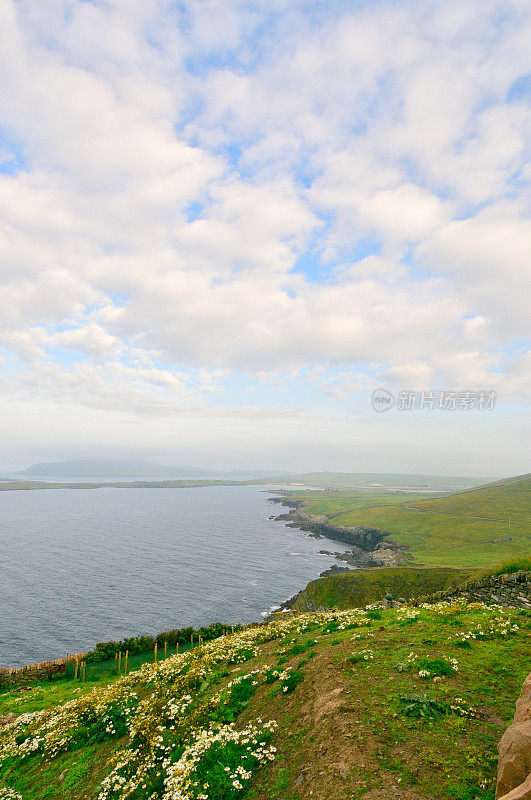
(333, 755)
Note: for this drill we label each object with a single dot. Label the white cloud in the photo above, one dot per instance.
(91, 339)
(179, 165)
(407, 213)
(488, 257)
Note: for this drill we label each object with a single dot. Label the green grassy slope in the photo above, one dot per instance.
(363, 586)
(476, 528)
(408, 703)
(335, 504)
(510, 502)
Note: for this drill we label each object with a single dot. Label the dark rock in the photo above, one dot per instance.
(334, 570)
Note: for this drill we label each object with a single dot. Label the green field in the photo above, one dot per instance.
(477, 528)
(332, 706)
(361, 587)
(509, 502)
(333, 504)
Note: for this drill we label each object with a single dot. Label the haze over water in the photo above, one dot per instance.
(82, 566)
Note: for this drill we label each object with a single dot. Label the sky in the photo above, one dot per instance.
(224, 224)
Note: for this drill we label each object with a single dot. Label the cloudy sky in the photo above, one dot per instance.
(224, 223)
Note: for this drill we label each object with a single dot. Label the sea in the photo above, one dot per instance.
(81, 566)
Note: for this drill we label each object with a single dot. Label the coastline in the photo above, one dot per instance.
(11, 486)
(363, 548)
(368, 546)
(257, 564)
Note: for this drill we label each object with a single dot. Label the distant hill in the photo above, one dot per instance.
(388, 480)
(504, 481)
(93, 468)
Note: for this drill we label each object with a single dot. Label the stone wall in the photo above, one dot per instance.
(31, 673)
(505, 590)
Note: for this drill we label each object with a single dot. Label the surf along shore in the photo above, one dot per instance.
(369, 546)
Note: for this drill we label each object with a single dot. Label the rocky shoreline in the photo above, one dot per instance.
(369, 547)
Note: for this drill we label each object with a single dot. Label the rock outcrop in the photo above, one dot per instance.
(522, 792)
(514, 766)
(370, 547)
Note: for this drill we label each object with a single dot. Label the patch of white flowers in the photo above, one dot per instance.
(355, 617)
(362, 655)
(181, 783)
(364, 635)
(9, 794)
(490, 629)
(464, 636)
(405, 666)
(499, 626)
(427, 673)
(174, 709)
(282, 675)
(242, 678)
(459, 706)
(406, 614)
(445, 608)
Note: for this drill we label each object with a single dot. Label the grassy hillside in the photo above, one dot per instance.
(363, 586)
(476, 528)
(407, 703)
(510, 502)
(332, 504)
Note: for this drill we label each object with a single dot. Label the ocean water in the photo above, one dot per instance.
(79, 566)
